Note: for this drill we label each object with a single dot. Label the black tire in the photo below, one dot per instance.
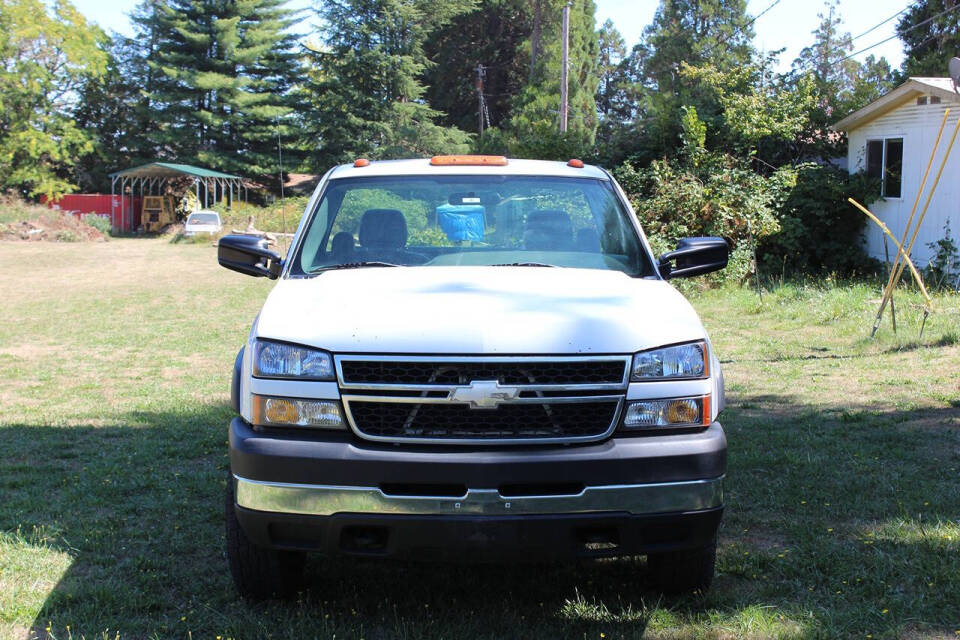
(259, 573)
(677, 572)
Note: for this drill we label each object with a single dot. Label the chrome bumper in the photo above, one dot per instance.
(324, 500)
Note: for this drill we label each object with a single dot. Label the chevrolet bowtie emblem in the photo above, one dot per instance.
(484, 394)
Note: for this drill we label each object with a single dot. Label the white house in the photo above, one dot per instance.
(892, 138)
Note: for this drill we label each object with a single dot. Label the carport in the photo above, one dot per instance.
(152, 179)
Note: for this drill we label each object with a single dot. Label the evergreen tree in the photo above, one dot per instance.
(620, 96)
(929, 39)
(115, 110)
(716, 32)
(612, 51)
(224, 71)
(696, 33)
(825, 59)
(364, 88)
(842, 85)
(492, 35)
(46, 55)
(535, 123)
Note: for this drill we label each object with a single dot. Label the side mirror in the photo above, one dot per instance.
(249, 255)
(694, 256)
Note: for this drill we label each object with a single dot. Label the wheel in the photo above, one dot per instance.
(259, 573)
(683, 571)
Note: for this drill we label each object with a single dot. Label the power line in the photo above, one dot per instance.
(880, 24)
(721, 40)
(897, 35)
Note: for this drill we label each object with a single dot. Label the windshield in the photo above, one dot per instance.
(203, 218)
(470, 220)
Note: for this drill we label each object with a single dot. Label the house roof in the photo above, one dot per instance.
(913, 87)
(170, 170)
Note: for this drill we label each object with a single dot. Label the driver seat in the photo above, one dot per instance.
(382, 229)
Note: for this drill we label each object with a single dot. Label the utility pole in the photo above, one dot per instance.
(481, 74)
(564, 70)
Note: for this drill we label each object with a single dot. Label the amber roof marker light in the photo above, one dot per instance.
(468, 161)
(576, 163)
(361, 162)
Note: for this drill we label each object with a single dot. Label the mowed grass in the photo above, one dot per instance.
(843, 490)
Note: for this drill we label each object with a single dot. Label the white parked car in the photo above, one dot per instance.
(203, 221)
(474, 358)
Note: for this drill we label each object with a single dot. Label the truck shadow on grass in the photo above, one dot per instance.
(838, 524)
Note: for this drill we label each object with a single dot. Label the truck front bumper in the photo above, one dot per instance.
(624, 496)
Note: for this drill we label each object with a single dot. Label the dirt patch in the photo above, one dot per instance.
(52, 227)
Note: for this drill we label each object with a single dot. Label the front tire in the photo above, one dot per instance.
(259, 573)
(677, 572)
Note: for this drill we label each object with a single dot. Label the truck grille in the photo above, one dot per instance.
(446, 373)
(509, 421)
(478, 399)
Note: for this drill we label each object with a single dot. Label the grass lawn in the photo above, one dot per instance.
(843, 492)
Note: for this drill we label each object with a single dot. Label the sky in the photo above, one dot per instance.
(788, 24)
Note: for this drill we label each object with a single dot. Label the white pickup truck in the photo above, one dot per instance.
(473, 358)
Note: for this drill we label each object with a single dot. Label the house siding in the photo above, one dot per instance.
(917, 125)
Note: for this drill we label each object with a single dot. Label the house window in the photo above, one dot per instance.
(934, 99)
(885, 161)
(922, 100)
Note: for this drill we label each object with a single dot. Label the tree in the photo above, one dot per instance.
(364, 83)
(535, 124)
(223, 75)
(114, 109)
(842, 84)
(695, 32)
(929, 39)
(47, 55)
(621, 96)
(492, 35)
(873, 79)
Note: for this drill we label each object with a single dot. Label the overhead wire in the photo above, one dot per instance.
(880, 24)
(897, 35)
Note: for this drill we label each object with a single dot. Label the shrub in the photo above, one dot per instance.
(943, 270)
(819, 231)
(709, 195)
(100, 223)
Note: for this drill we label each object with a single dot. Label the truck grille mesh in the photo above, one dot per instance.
(508, 421)
(512, 373)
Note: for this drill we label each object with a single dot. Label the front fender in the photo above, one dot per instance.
(235, 384)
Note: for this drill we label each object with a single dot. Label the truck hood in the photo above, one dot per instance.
(478, 310)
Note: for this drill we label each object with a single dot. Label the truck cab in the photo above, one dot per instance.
(474, 358)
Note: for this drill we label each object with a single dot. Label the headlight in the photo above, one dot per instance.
(297, 412)
(280, 360)
(679, 412)
(678, 361)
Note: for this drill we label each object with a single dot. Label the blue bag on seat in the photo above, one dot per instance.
(461, 222)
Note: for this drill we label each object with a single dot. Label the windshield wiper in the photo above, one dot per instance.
(523, 264)
(356, 265)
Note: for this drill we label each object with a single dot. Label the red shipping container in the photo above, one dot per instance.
(123, 215)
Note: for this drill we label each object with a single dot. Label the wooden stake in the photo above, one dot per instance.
(916, 229)
(906, 230)
(900, 253)
(893, 309)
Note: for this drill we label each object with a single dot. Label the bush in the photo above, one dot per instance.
(100, 223)
(819, 231)
(708, 195)
(943, 270)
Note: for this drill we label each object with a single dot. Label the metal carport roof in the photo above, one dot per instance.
(170, 170)
(152, 178)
